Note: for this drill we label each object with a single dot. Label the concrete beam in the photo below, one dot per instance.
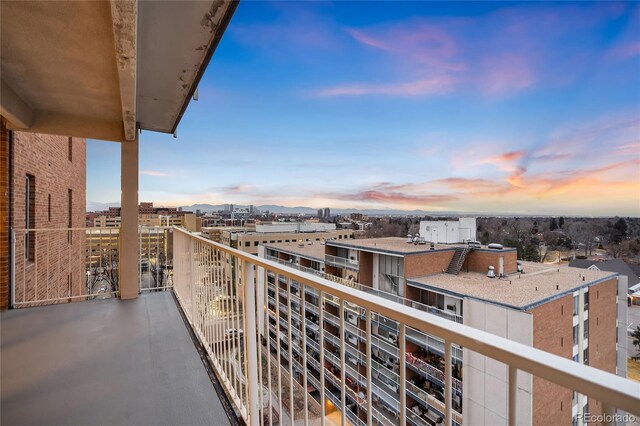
(124, 15)
(13, 108)
(128, 264)
(56, 123)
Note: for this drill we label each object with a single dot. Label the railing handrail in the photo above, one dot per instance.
(606, 387)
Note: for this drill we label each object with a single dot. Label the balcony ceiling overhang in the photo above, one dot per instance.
(98, 69)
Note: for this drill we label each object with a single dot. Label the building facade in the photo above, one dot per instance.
(564, 311)
(250, 241)
(46, 197)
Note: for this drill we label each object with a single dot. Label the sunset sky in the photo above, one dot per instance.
(479, 107)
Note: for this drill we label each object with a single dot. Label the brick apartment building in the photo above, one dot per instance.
(566, 311)
(44, 188)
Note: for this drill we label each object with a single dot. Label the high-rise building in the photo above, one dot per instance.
(324, 213)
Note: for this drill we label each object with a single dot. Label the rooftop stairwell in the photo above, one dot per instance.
(458, 260)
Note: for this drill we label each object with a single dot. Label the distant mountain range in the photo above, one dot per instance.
(311, 211)
(93, 206)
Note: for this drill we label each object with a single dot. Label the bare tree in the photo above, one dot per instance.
(158, 269)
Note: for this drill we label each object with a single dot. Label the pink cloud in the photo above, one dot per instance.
(153, 173)
(396, 197)
(428, 86)
(506, 73)
(625, 50)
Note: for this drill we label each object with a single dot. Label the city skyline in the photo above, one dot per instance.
(521, 108)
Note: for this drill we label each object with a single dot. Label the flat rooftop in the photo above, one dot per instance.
(399, 245)
(104, 362)
(315, 250)
(396, 245)
(538, 283)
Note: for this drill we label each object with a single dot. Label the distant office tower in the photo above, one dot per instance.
(324, 213)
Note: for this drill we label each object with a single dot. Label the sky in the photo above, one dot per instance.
(469, 107)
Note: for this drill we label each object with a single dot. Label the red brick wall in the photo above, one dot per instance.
(553, 332)
(46, 158)
(479, 261)
(418, 265)
(4, 218)
(602, 331)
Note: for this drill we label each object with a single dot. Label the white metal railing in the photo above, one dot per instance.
(341, 261)
(55, 265)
(223, 293)
(344, 281)
(155, 259)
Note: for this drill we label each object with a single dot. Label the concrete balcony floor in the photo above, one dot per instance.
(104, 362)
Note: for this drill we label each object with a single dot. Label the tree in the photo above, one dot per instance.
(530, 253)
(553, 225)
(636, 340)
(619, 231)
(561, 222)
(157, 268)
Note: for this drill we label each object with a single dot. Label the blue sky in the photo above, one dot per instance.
(490, 107)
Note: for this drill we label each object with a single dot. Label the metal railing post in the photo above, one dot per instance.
(447, 383)
(513, 392)
(250, 336)
(403, 374)
(192, 280)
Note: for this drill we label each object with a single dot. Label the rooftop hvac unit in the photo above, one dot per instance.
(409, 238)
(495, 246)
(519, 266)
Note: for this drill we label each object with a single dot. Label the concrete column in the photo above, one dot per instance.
(128, 280)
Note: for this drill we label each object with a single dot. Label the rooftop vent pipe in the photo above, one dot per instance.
(491, 273)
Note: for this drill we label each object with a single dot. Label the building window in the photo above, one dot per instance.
(70, 149)
(30, 218)
(585, 333)
(575, 305)
(247, 243)
(586, 300)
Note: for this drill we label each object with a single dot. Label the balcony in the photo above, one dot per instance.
(108, 361)
(341, 262)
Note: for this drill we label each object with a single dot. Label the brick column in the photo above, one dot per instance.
(5, 244)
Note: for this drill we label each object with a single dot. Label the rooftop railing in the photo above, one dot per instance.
(341, 261)
(223, 294)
